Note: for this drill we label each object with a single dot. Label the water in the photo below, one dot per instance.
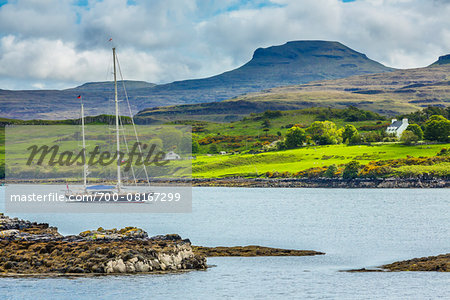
(355, 227)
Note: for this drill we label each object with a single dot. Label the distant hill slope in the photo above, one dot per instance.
(391, 93)
(108, 86)
(63, 104)
(292, 63)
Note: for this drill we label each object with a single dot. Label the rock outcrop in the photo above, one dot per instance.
(439, 263)
(249, 251)
(32, 248)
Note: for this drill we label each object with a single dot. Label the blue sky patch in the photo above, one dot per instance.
(249, 4)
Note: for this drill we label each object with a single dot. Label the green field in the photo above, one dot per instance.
(252, 165)
(245, 144)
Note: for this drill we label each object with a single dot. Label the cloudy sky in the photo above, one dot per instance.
(63, 43)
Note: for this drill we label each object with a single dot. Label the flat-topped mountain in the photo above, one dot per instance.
(443, 60)
(292, 63)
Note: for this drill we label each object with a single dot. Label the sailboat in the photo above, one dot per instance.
(106, 193)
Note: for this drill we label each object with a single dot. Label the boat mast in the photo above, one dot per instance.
(85, 167)
(117, 121)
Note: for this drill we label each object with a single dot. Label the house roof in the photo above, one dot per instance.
(396, 124)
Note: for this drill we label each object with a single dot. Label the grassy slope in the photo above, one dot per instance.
(252, 127)
(304, 158)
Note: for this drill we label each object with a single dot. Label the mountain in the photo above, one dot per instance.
(401, 91)
(292, 63)
(443, 60)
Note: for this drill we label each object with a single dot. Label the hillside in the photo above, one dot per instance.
(63, 104)
(292, 63)
(401, 91)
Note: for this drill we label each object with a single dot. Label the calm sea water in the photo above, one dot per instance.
(355, 227)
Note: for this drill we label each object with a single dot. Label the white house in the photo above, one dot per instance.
(397, 127)
(171, 156)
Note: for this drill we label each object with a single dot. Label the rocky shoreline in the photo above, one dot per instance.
(439, 263)
(324, 182)
(391, 182)
(37, 249)
(32, 248)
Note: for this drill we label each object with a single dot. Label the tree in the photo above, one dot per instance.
(295, 137)
(270, 114)
(437, 128)
(349, 132)
(170, 137)
(266, 124)
(409, 137)
(357, 139)
(324, 133)
(213, 149)
(351, 170)
(416, 130)
(195, 146)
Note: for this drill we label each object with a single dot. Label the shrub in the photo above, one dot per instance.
(444, 152)
(331, 171)
(373, 170)
(311, 172)
(213, 149)
(351, 170)
(409, 138)
(195, 146)
(372, 137)
(357, 139)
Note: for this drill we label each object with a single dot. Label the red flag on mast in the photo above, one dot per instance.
(79, 97)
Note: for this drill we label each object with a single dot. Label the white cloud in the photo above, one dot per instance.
(54, 43)
(37, 18)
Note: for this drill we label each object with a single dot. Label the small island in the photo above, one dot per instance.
(30, 249)
(439, 263)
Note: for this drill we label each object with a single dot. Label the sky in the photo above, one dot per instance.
(56, 44)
